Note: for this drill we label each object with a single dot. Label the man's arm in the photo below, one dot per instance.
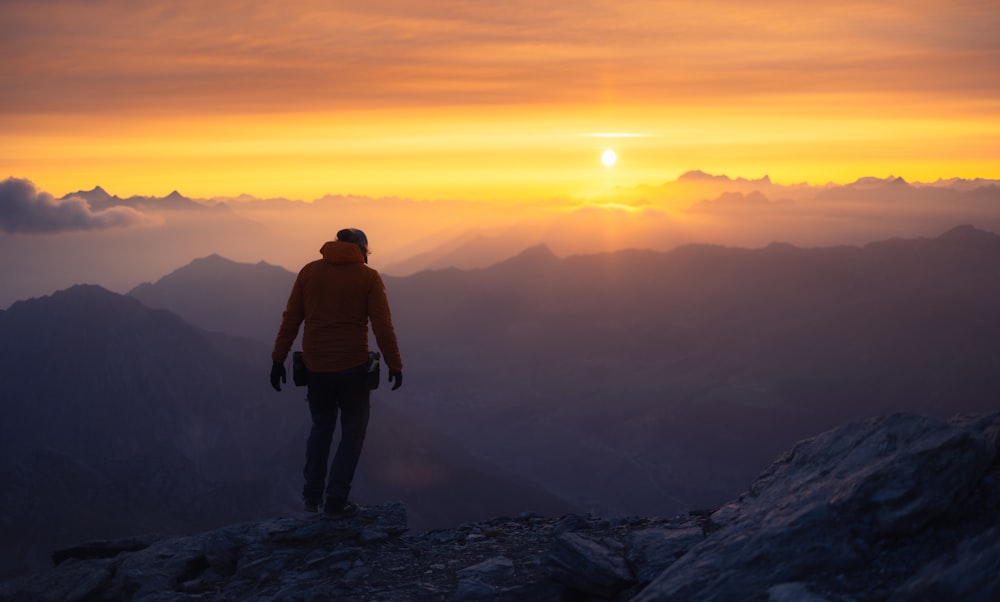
(291, 319)
(381, 319)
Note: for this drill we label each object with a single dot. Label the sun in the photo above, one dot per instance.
(609, 157)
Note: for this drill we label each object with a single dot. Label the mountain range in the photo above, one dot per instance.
(123, 419)
(645, 382)
(634, 382)
(655, 382)
(220, 295)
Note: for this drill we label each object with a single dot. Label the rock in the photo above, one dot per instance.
(899, 508)
(77, 580)
(864, 494)
(792, 592)
(476, 582)
(971, 574)
(653, 550)
(104, 548)
(494, 569)
(589, 565)
(472, 589)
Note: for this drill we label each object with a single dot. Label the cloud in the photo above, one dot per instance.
(25, 209)
(67, 55)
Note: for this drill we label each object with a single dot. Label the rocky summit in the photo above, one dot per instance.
(898, 508)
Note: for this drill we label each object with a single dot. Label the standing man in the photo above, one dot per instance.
(336, 296)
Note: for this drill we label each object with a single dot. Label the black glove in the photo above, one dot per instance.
(278, 375)
(396, 376)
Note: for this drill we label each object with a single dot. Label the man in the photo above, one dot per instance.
(336, 296)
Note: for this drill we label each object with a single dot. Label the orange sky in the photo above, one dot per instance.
(491, 101)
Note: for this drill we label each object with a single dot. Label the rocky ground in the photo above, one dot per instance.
(900, 508)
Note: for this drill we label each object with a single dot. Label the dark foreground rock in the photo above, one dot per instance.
(897, 508)
(901, 508)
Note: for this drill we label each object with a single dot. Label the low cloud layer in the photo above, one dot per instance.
(410, 236)
(24, 209)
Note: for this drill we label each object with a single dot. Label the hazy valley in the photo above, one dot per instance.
(646, 382)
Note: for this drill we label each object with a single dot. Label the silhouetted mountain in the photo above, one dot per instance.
(122, 419)
(646, 382)
(701, 176)
(640, 381)
(899, 508)
(464, 252)
(86, 359)
(119, 417)
(220, 295)
(99, 199)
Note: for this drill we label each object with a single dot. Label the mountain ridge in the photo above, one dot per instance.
(801, 338)
(261, 288)
(121, 417)
(730, 351)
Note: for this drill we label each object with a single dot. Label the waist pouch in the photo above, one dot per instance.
(374, 369)
(300, 374)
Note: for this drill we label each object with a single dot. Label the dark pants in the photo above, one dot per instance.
(328, 393)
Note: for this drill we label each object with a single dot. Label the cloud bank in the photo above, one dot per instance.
(414, 235)
(23, 209)
(437, 52)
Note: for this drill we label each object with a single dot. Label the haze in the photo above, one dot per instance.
(436, 125)
(94, 237)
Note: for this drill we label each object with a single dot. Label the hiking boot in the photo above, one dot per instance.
(344, 509)
(312, 505)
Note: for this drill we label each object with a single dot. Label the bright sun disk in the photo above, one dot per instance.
(609, 157)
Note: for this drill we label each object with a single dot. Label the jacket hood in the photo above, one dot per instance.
(340, 253)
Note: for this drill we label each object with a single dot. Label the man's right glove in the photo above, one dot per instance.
(278, 375)
(396, 376)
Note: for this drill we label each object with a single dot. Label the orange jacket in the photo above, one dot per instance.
(336, 297)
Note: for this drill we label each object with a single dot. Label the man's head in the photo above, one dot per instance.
(353, 235)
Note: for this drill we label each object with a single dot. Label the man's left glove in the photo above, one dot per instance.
(278, 375)
(397, 377)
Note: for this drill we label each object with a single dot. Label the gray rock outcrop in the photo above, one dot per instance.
(856, 513)
(901, 508)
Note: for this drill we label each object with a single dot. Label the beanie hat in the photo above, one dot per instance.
(355, 236)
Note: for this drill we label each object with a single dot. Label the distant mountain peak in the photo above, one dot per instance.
(215, 268)
(695, 175)
(222, 295)
(870, 181)
(213, 259)
(93, 291)
(79, 297)
(95, 195)
(536, 253)
(969, 235)
(527, 260)
(698, 175)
